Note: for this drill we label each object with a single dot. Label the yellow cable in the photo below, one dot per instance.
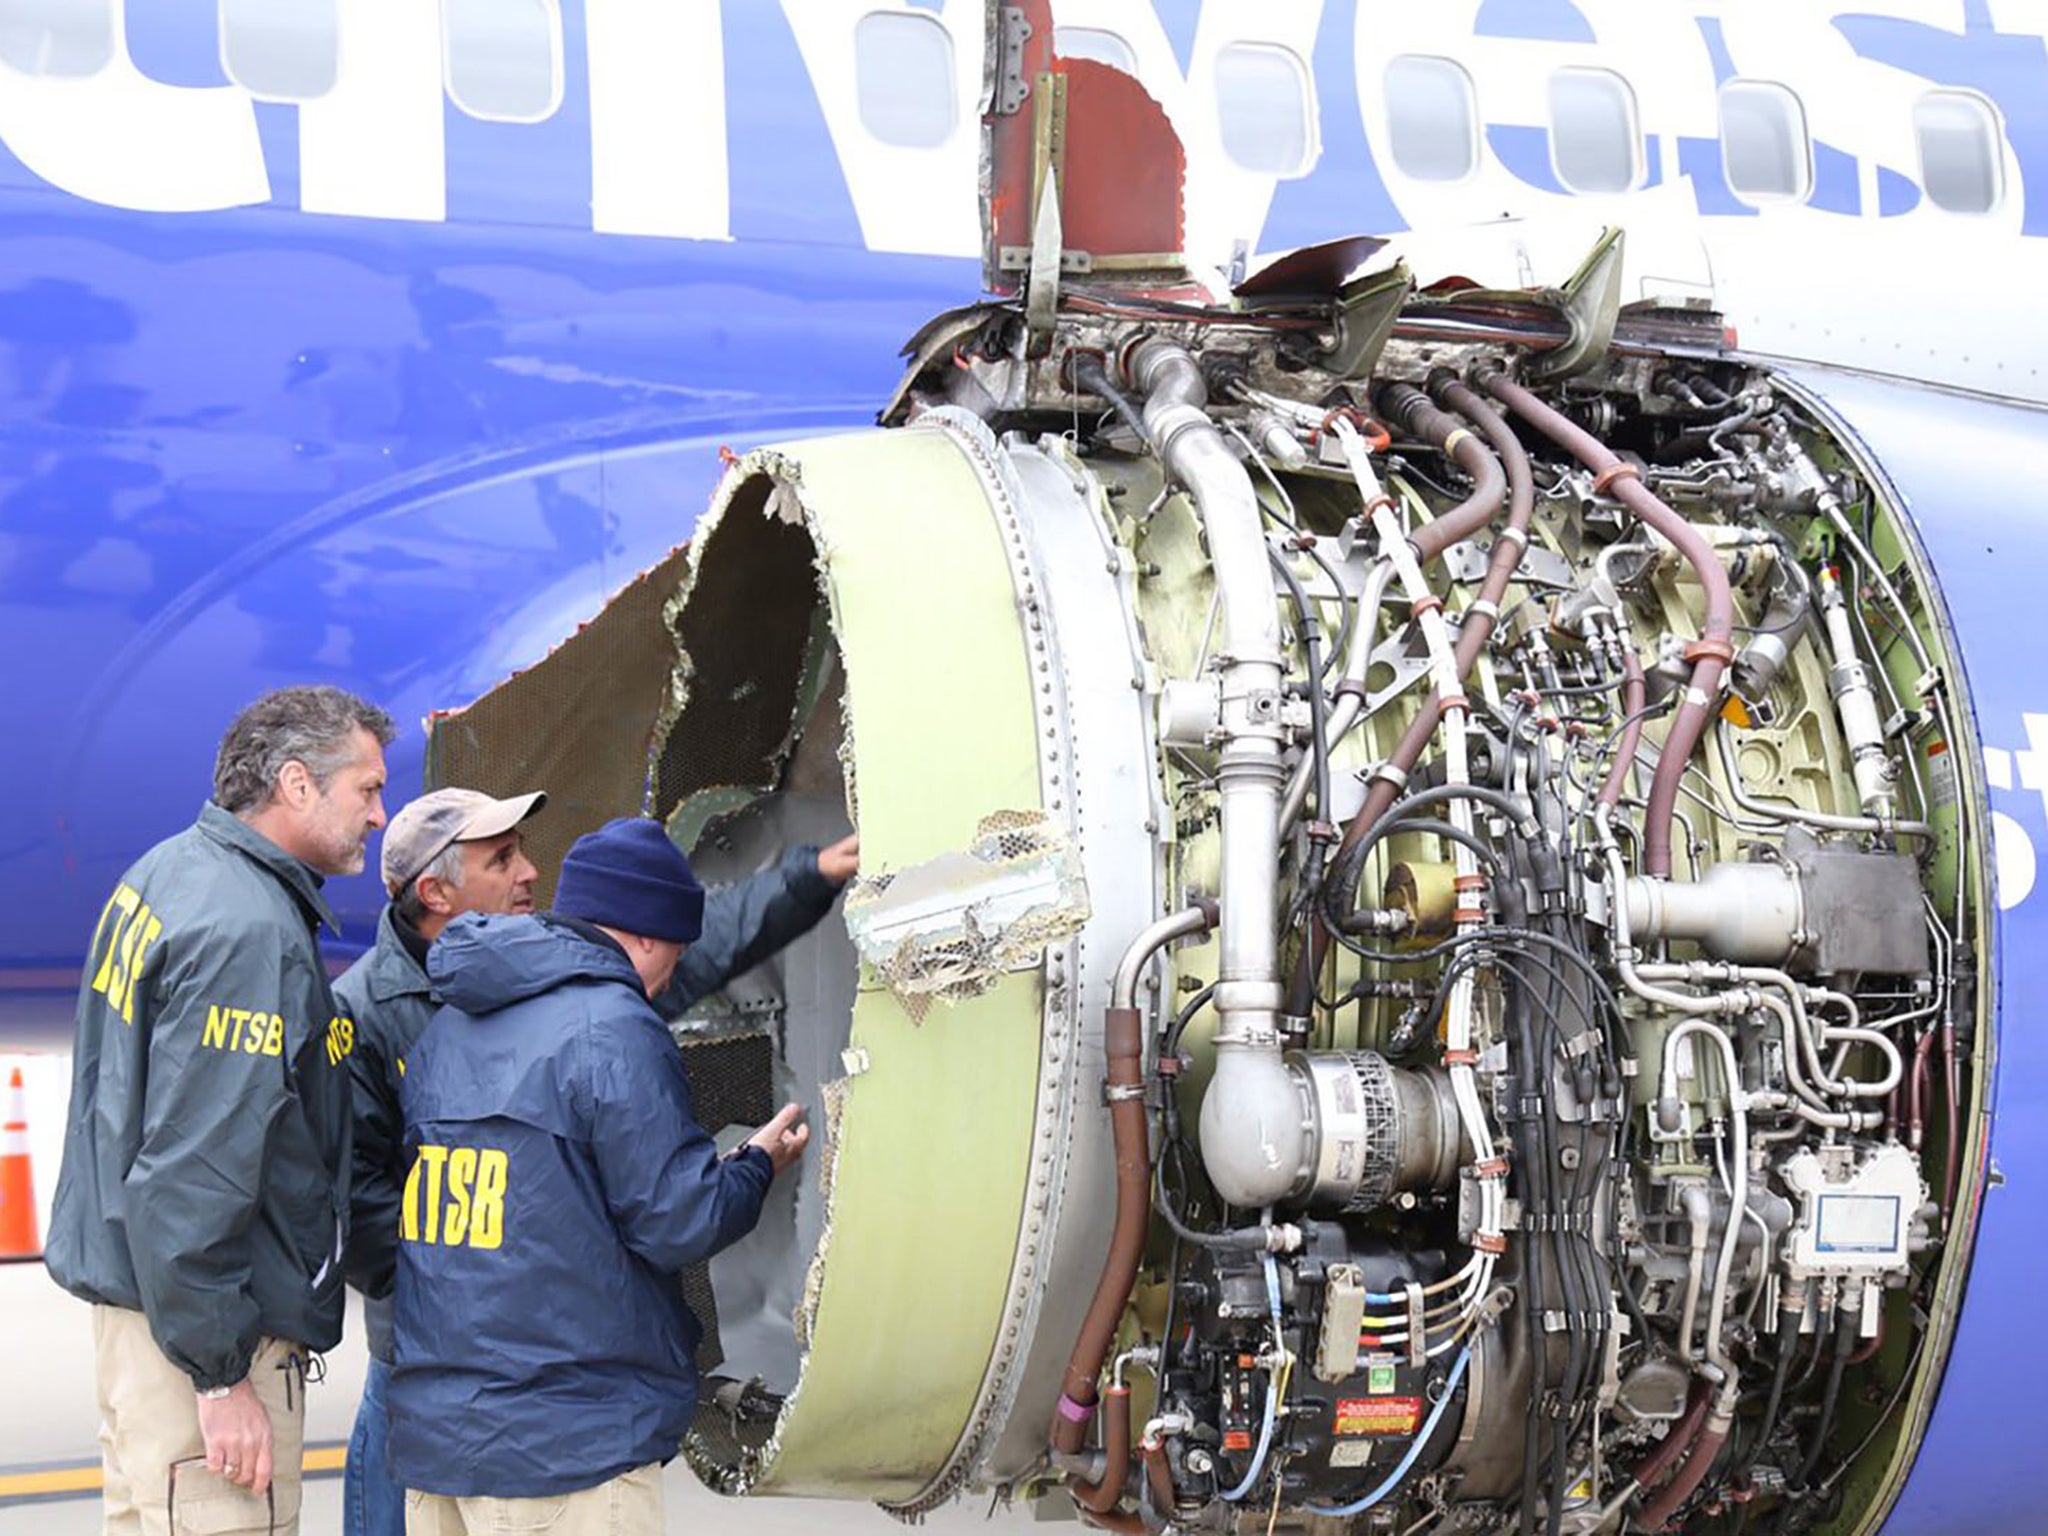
(1279, 1483)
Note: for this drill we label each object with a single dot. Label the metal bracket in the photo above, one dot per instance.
(1366, 313)
(1018, 258)
(1042, 285)
(1592, 303)
(1467, 560)
(1013, 31)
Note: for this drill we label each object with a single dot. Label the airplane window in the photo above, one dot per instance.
(903, 69)
(280, 50)
(1962, 161)
(1265, 108)
(1764, 150)
(503, 58)
(1092, 43)
(61, 38)
(1432, 118)
(1594, 141)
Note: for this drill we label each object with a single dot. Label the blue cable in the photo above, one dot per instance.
(1415, 1446)
(1272, 1391)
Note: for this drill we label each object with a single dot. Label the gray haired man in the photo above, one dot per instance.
(448, 852)
(203, 1201)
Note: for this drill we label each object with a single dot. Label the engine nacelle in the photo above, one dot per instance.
(1542, 1095)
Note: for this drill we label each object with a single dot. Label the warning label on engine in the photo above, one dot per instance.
(1378, 1415)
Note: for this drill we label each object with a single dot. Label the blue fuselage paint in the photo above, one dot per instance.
(1960, 466)
(257, 446)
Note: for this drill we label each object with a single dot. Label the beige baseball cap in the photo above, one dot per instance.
(418, 834)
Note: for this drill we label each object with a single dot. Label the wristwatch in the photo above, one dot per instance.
(215, 1392)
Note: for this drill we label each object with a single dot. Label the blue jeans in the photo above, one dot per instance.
(371, 1503)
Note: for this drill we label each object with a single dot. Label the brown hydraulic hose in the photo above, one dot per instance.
(1410, 409)
(1952, 1079)
(1871, 1345)
(1159, 1475)
(1124, 1044)
(1480, 617)
(1917, 1090)
(1654, 1466)
(1632, 695)
(1099, 1498)
(1484, 611)
(1682, 1487)
(1123, 1525)
(1710, 654)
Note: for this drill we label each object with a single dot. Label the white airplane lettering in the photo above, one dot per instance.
(120, 138)
(372, 146)
(658, 160)
(661, 164)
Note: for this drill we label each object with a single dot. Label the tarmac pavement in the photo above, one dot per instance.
(48, 1416)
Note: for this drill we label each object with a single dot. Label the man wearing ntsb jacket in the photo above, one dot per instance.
(559, 1184)
(203, 1200)
(450, 852)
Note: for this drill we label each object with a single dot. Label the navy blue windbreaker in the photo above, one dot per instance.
(387, 993)
(559, 1182)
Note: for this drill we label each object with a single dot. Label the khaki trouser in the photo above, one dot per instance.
(628, 1505)
(149, 1423)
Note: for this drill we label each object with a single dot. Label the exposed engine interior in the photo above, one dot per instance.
(1421, 958)
(1550, 1115)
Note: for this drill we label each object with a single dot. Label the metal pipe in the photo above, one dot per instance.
(1641, 980)
(1856, 703)
(1123, 986)
(1350, 703)
(1253, 1137)
(1738, 1173)
(1710, 653)
(1699, 1217)
(1826, 821)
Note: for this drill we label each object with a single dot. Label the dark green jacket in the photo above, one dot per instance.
(206, 1156)
(387, 994)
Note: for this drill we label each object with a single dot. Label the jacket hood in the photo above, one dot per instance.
(480, 964)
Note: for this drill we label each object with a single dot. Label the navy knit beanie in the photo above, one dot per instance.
(627, 875)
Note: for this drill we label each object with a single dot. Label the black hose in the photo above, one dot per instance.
(1830, 1398)
(1318, 706)
(1089, 375)
(1788, 1346)
(1169, 1041)
(1243, 1239)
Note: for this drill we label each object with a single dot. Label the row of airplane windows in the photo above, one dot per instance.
(503, 63)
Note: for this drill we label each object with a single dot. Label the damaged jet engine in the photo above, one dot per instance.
(1423, 941)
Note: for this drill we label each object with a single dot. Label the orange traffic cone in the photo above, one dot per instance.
(18, 1238)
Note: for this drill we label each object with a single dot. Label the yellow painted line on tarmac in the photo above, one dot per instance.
(84, 1477)
(32, 1485)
